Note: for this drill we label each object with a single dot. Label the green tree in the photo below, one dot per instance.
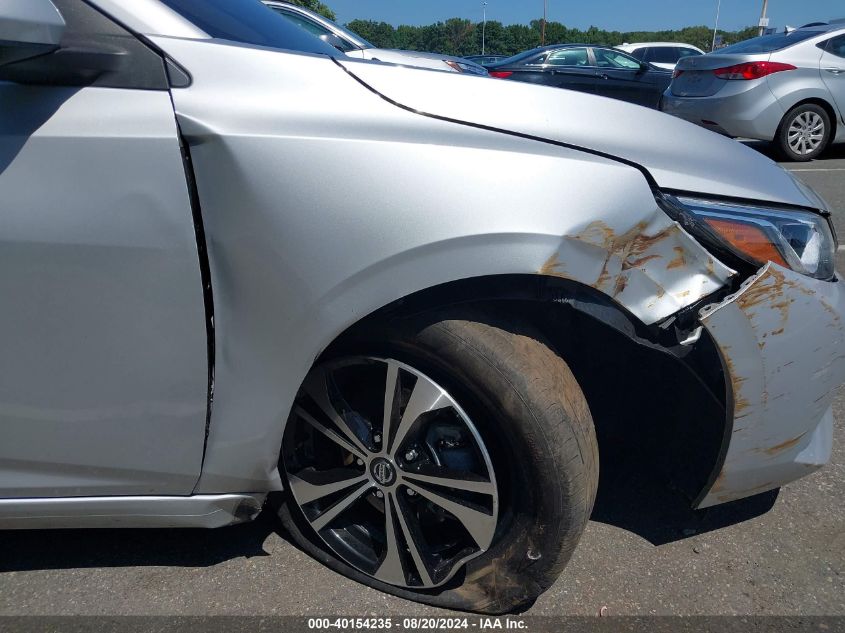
(379, 34)
(457, 36)
(316, 5)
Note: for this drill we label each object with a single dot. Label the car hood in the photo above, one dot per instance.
(677, 154)
(416, 58)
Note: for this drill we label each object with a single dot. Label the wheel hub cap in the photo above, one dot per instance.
(806, 133)
(383, 472)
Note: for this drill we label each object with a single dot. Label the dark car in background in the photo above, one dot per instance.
(597, 70)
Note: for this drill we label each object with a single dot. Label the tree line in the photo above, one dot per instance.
(463, 37)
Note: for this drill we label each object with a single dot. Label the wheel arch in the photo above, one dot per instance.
(822, 103)
(629, 370)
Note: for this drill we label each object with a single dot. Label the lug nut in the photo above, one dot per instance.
(379, 494)
(411, 493)
(411, 455)
(377, 439)
(359, 461)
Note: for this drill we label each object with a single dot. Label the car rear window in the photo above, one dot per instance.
(663, 55)
(769, 43)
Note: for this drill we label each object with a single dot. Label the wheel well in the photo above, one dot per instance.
(631, 374)
(827, 107)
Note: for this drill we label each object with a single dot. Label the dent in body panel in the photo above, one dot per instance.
(782, 341)
(653, 268)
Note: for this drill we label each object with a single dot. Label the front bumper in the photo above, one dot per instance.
(782, 342)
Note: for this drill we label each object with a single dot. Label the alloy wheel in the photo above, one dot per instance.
(806, 133)
(390, 472)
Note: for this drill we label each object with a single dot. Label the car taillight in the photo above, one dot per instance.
(500, 74)
(751, 70)
(677, 74)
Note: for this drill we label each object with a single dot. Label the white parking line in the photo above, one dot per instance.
(819, 169)
(840, 249)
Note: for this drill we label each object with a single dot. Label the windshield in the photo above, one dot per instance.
(352, 36)
(248, 22)
(519, 57)
(318, 25)
(769, 43)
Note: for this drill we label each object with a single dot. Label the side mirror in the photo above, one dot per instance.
(333, 40)
(644, 67)
(28, 28)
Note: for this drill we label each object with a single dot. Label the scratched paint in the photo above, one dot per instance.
(782, 341)
(653, 268)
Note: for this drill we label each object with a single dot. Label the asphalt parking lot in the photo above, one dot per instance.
(781, 553)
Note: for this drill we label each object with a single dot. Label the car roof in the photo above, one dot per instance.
(824, 27)
(656, 44)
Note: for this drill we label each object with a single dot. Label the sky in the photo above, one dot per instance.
(614, 15)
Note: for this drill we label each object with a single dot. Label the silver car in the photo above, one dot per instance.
(408, 308)
(354, 45)
(786, 87)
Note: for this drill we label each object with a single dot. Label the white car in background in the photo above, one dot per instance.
(661, 54)
(354, 45)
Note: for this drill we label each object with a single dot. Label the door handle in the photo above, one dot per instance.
(835, 71)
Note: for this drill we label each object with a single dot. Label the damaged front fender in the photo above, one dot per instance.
(782, 342)
(652, 267)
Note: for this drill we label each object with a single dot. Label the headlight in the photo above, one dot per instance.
(461, 67)
(800, 240)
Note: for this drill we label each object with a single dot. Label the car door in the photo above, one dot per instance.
(620, 76)
(833, 70)
(104, 370)
(571, 68)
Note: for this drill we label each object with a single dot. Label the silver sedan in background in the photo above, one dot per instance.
(786, 87)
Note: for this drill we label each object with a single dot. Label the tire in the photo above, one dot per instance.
(804, 133)
(533, 420)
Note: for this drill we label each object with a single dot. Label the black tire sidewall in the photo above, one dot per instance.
(544, 503)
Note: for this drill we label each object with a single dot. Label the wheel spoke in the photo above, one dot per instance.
(449, 480)
(329, 433)
(316, 386)
(391, 383)
(412, 546)
(306, 492)
(425, 397)
(338, 497)
(343, 504)
(390, 570)
(479, 525)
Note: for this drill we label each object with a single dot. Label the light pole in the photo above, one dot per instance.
(764, 22)
(543, 32)
(716, 27)
(484, 27)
